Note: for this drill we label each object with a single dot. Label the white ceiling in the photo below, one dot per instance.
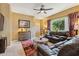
(27, 8)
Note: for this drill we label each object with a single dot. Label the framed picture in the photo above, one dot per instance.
(24, 24)
(60, 24)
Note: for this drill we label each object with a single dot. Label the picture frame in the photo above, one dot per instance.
(24, 24)
(62, 24)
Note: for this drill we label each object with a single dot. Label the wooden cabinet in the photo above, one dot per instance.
(24, 35)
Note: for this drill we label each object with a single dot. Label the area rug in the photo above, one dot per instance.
(29, 48)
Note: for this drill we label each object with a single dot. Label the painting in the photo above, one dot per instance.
(24, 23)
(59, 24)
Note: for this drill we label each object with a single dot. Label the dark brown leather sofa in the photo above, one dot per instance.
(55, 37)
(44, 50)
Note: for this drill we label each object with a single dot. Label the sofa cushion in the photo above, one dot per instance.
(58, 33)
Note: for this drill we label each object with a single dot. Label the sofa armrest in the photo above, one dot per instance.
(45, 50)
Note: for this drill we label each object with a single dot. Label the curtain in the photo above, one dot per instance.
(73, 18)
(48, 25)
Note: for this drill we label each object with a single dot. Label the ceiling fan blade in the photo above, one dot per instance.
(37, 9)
(39, 12)
(49, 9)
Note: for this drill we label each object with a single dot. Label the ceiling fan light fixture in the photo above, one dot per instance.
(43, 10)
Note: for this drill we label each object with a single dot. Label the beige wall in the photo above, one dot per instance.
(34, 24)
(64, 13)
(15, 17)
(5, 10)
(35, 28)
(43, 26)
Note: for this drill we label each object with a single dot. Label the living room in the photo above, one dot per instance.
(36, 26)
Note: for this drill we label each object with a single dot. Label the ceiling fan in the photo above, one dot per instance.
(42, 9)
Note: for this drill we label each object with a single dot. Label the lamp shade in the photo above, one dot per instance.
(21, 30)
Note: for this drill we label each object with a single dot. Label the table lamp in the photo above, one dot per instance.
(76, 28)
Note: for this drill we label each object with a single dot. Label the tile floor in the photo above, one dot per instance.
(15, 49)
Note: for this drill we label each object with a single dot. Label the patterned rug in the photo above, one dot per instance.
(29, 48)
